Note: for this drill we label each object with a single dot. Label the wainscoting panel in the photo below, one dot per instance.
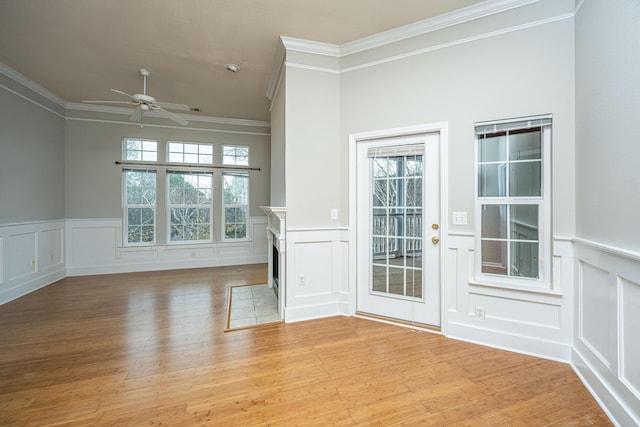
(31, 256)
(537, 323)
(317, 274)
(606, 348)
(94, 246)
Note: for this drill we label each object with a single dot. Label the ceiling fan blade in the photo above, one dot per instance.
(136, 116)
(173, 106)
(172, 116)
(122, 93)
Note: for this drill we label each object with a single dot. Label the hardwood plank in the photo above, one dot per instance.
(150, 349)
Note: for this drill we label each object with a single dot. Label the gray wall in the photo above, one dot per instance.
(31, 161)
(314, 179)
(278, 129)
(608, 122)
(94, 182)
(519, 73)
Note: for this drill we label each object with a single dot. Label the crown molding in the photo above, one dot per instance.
(308, 46)
(470, 13)
(104, 109)
(30, 84)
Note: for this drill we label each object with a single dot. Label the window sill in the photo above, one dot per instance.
(181, 245)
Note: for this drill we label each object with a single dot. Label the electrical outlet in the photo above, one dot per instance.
(479, 313)
(301, 280)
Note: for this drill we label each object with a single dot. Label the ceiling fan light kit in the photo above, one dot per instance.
(144, 102)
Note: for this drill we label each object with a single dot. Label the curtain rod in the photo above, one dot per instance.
(186, 166)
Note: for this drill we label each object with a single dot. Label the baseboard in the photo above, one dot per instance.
(504, 341)
(31, 285)
(610, 400)
(90, 270)
(315, 311)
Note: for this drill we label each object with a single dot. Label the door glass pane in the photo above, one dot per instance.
(396, 226)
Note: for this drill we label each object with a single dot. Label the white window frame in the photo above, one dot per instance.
(226, 206)
(202, 158)
(145, 151)
(170, 206)
(235, 155)
(543, 281)
(126, 206)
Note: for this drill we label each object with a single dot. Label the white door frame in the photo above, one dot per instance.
(354, 139)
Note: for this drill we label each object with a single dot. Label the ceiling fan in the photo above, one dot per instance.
(145, 102)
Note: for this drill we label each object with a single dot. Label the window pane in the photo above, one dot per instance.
(147, 234)
(494, 221)
(190, 158)
(236, 189)
(492, 149)
(525, 179)
(176, 157)
(525, 145)
(133, 216)
(150, 146)
(140, 150)
(524, 259)
(133, 234)
(524, 222)
(494, 257)
(146, 216)
(492, 180)
(176, 233)
(234, 155)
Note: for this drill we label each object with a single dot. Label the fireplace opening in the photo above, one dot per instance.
(275, 266)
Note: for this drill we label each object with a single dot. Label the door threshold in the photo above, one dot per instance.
(399, 322)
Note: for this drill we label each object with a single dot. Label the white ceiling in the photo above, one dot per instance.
(79, 49)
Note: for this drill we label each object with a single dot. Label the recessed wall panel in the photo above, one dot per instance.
(20, 250)
(630, 345)
(594, 306)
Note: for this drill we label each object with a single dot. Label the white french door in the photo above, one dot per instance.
(398, 227)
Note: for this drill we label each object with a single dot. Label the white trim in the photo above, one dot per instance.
(26, 98)
(632, 255)
(290, 64)
(442, 129)
(313, 47)
(30, 84)
(458, 42)
(450, 19)
(75, 106)
(79, 119)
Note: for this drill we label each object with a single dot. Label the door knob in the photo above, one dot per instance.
(435, 240)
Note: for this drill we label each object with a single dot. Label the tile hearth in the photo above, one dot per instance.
(251, 306)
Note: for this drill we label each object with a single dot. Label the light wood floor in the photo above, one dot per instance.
(149, 349)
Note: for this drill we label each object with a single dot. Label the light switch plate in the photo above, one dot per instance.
(459, 218)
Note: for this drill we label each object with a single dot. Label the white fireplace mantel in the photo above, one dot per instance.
(276, 234)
